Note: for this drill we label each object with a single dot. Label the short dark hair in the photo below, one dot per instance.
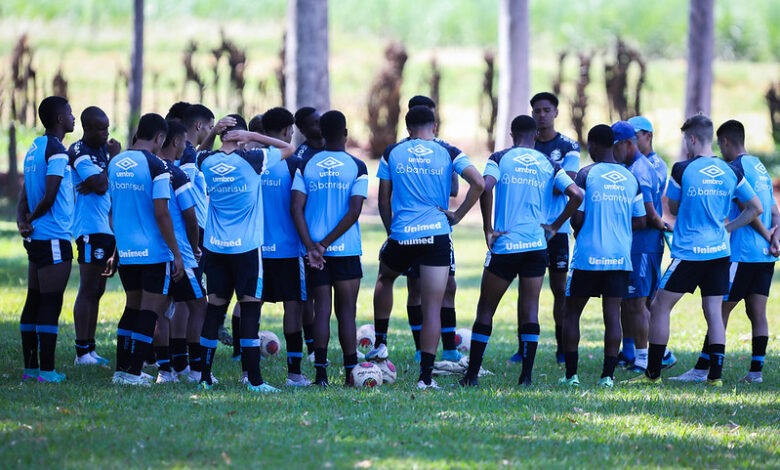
(602, 135)
(50, 109)
(303, 113)
(545, 96)
(175, 130)
(240, 123)
(421, 100)
(90, 114)
(523, 124)
(150, 125)
(277, 119)
(333, 124)
(700, 126)
(196, 113)
(177, 110)
(733, 131)
(419, 116)
(256, 124)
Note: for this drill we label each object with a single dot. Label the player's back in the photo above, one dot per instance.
(611, 199)
(281, 238)
(189, 164)
(47, 156)
(181, 199)
(91, 210)
(648, 240)
(136, 178)
(566, 153)
(747, 245)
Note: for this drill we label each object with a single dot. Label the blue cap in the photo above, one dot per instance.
(623, 131)
(641, 123)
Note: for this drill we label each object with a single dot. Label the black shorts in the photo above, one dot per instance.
(95, 248)
(414, 271)
(749, 278)
(285, 279)
(154, 278)
(47, 252)
(508, 266)
(239, 272)
(187, 288)
(710, 276)
(427, 251)
(337, 268)
(558, 252)
(597, 283)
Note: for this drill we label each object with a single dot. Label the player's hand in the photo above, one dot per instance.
(83, 189)
(110, 267)
(315, 258)
(196, 251)
(25, 228)
(114, 147)
(491, 236)
(669, 228)
(178, 268)
(237, 136)
(774, 241)
(224, 123)
(549, 231)
(452, 217)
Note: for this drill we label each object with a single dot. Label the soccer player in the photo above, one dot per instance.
(700, 194)
(754, 250)
(566, 153)
(282, 249)
(328, 193)
(140, 186)
(517, 243)
(44, 217)
(233, 237)
(414, 191)
(170, 340)
(177, 111)
(413, 300)
(94, 237)
(612, 208)
(647, 247)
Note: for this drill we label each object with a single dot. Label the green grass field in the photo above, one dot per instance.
(89, 423)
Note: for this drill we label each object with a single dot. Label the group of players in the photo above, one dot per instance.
(170, 208)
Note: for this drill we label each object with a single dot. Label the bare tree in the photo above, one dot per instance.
(514, 80)
(135, 83)
(701, 39)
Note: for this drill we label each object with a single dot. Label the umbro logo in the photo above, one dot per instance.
(761, 168)
(614, 177)
(526, 159)
(712, 171)
(126, 163)
(222, 168)
(33, 148)
(420, 150)
(330, 163)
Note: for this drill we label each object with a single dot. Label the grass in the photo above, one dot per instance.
(88, 423)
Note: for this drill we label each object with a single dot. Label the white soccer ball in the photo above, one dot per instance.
(366, 374)
(463, 339)
(269, 343)
(389, 373)
(366, 336)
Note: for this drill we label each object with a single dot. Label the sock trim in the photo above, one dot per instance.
(50, 329)
(480, 338)
(527, 337)
(209, 343)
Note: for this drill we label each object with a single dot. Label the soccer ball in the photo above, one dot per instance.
(389, 373)
(269, 343)
(366, 337)
(463, 339)
(366, 374)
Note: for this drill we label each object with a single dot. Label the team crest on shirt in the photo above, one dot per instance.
(614, 177)
(712, 171)
(99, 253)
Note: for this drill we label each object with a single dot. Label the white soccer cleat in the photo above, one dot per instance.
(164, 377)
(378, 354)
(752, 378)
(693, 375)
(297, 380)
(123, 378)
(195, 377)
(432, 386)
(146, 377)
(244, 380)
(85, 360)
(101, 360)
(184, 373)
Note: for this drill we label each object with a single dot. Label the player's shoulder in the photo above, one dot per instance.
(583, 174)
(178, 177)
(53, 146)
(390, 148)
(451, 149)
(205, 154)
(360, 164)
(678, 169)
(567, 143)
(499, 155)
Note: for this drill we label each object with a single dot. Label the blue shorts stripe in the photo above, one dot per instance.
(259, 286)
(668, 273)
(529, 338)
(87, 250)
(250, 343)
(26, 327)
(448, 330)
(167, 278)
(208, 343)
(141, 337)
(194, 283)
(302, 276)
(123, 332)
(50, 329)
(480, 338)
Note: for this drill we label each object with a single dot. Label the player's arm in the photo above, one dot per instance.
(297, 204)
(349, 219)
(384, 200)
(224, 123)
(574, 193)
(164, 222)
(97, 184)
(476, 187)
(22, 211)
(455, 185)
(576, 222)
(245, 136)
(752, 209)
(486, 208)
(50, 195)
(757, 224)
(111, 262)
(193, 231)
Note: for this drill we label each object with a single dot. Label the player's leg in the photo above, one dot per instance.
(449, 320)
(235, 327)
(345, 295)
(197, 315)
(413, 307)
(558, 288)
(132, 283)
(610, 307)
(55, 280)
(571, 337)
(220, 286)
(91, 287)
(154, 302)
(658, 334)
(628, 314)
(178, 341)
(755, 306)
(27, 322)
(531, 287)
(247, 269)
(383, 305)
(162, 350)
(308, 326)
(716, 333)
(634, 311)
(433, 283)
(323, 300)
(292, 322)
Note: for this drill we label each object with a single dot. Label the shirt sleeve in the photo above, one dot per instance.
(272, 156)
(182, 189)
(492, 167)
(638, 207)
(571, 161)
(360, 186)
(674, 188)
(85, 168)
(161, 179)
(744, 191)
(562, 180)
(299, 184)
(383, 172)
(645, 180)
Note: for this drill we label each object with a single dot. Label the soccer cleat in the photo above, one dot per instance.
(560, 358)
(424, 386)
(573, 381)
(118, 375)
(377, 354)
(85, 360)
(224, 337)
(468, 382)
(642, 380)
(752, 378)
(623, 361)
(184, 373)
(203, 386)
(297, 380)
(693, 375)
(524, 381)
(516, 358)
(236, 358)
(322, 383)
(714, 383)
(635, 368)
(101, 360)
(195, 377)
(146, 377)
(166, 377)
(606, 382)
(123, 378)
(50, 376)
(153, 365)
(668, 361)
(31, 374)
(244, 380)
(417, 356)
(263, 387)
(452, 355)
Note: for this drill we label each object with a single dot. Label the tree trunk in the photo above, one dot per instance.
(306, 55)
(136, 82)
(701, 39)
(12, 191)
(514, 78)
